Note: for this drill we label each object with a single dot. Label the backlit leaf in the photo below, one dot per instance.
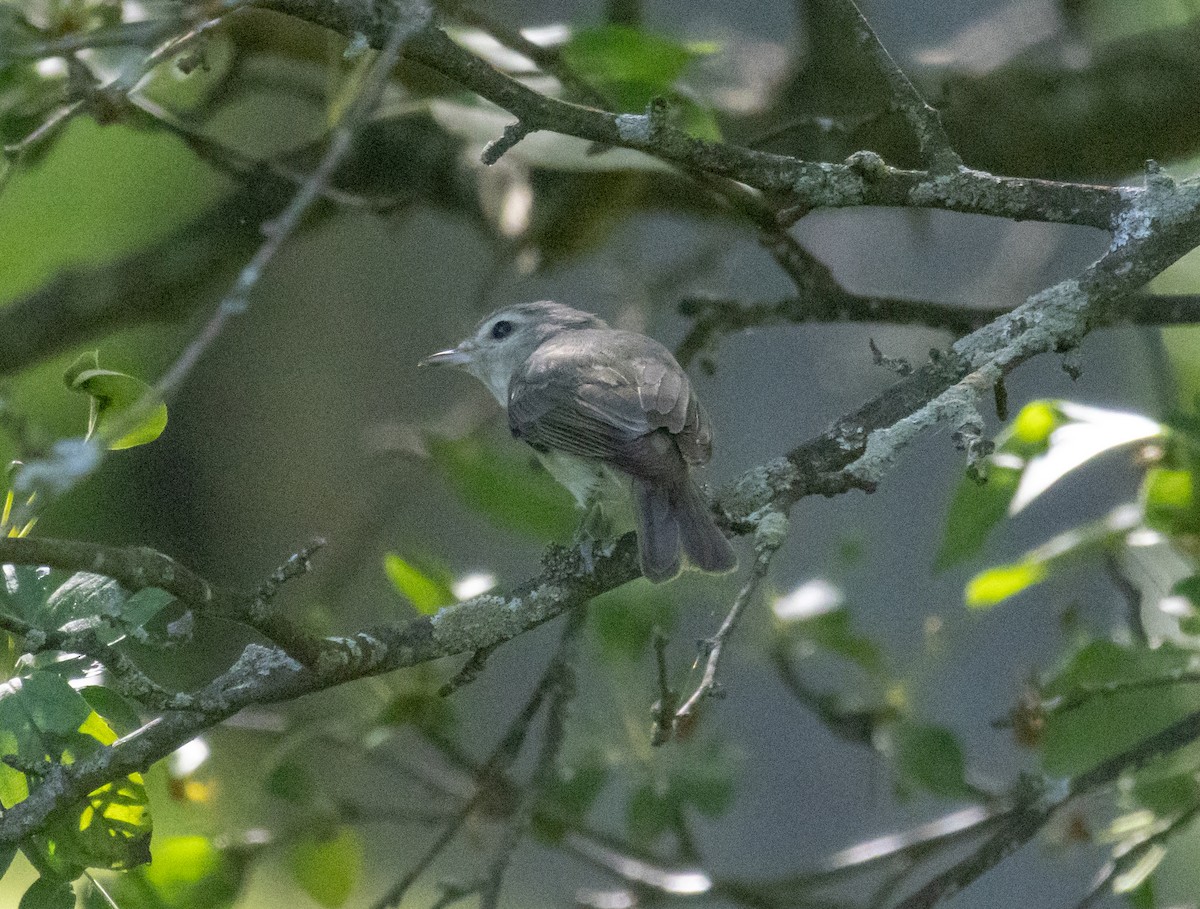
(113, 396)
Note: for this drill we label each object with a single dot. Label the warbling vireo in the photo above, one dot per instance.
(607, 411)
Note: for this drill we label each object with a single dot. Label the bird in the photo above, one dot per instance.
(614, 419)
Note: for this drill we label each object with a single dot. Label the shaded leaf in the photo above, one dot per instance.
(112, 395)
(504, 485)
(1105, 725)
(292, 782)
(328, 869)
(974, 511)
(931, 758)
(832, 631)
(565, 802)
(624, 619)
(48, 893)
(649, 813)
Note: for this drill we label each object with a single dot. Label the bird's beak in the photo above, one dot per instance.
(456, 356)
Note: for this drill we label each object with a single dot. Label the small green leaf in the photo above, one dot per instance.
(328, 869)
(188, 872)
(503, 483)
(995, 585)
(624, 619)
(974, 511)
(420, 706)
(426, 593)
(706, 784)
(114, 394)
(116, 711)
(292, 782)
(931, 758)
(1170, 501)
(832, 631)
(565, 802)
(630, 65)
(48, 893)
(649, 814)
(7, 854)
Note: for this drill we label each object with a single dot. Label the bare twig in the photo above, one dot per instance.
(553, 736)
(932, 140)
(668, 699)
(771, 534)
(469, 671)
(497, 762)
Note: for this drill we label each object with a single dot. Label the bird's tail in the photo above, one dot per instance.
(672, 515)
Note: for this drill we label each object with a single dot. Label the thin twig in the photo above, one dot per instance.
(469, 671)
(668, 699)
(936, 150)
(497, 763)
(553, 737)
(771, 534)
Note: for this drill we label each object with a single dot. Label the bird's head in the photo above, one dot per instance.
(504, 340)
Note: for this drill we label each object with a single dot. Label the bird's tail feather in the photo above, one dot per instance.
(671, 515)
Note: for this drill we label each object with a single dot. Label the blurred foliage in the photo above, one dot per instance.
(126, 213)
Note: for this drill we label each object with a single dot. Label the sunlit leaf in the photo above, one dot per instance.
(1045, 441)
(188, 872)
(113, 396)
(426, 593)
(995, 585)
(503, 484)
(1169, 499)
(44, 719)
(328, 869)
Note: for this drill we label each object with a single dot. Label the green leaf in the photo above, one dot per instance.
(974, 511)
(705, 783)
(25, 590)
(566, 800)
(832, 631)
(649, 813)
(43, 719)
(995, 585)
(7, 854)
(419, 705)
(1169, 500)
(112, 706)
(328, 869)
(427, 594)
(629, 65)
(624, 619)
(113, 396)
(1104, 725)
(188, 872)
(931, 758)
(291, 782)
(48, 893)
(506, 486)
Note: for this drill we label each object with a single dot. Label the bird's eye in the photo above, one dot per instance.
(502, 329)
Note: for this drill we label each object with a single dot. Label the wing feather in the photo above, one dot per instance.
(593, 393)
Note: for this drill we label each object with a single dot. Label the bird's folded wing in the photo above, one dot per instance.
(596, 410)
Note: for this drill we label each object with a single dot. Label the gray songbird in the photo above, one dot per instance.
(605, 410)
